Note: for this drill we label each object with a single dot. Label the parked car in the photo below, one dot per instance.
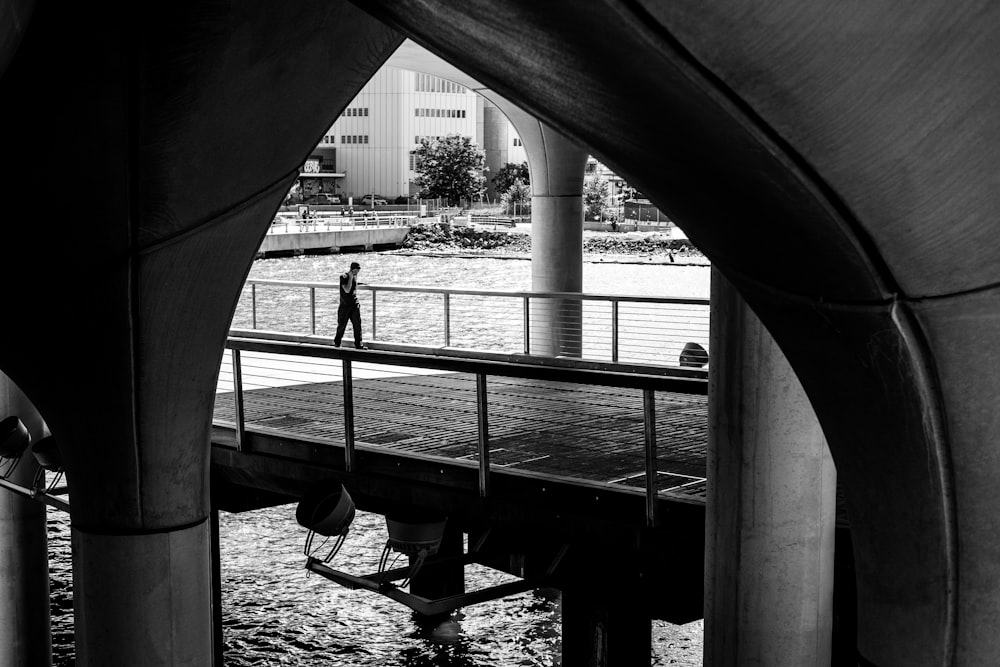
(372, 200)
(323, 198)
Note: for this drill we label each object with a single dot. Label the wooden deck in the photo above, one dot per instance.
(567, 470)
(559, 430)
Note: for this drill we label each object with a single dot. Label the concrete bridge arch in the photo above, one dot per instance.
(837, 164)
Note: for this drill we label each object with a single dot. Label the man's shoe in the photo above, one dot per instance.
(362, 346)
(336, 344)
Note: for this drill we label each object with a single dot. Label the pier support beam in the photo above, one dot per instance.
(771, 502)
(25, 632)
(143, 599)
(438, 581)
(601, 631)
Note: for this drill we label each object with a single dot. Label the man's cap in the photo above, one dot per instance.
(355, 265)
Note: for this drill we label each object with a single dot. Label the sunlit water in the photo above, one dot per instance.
(274, 613)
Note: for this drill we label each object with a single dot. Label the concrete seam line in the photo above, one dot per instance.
(935, 424)
(749, 285)
(139, 532)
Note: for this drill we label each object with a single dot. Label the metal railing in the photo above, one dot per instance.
(475, 402)
(320, 222)
(605, 328)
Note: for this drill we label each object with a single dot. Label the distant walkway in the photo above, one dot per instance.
(295, 236)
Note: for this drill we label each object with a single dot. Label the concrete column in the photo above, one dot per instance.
(143, 599)
(771, 502)
(25, 632)
(556, 167)
(604, 632)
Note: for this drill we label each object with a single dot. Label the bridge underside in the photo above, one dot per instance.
(837, 163)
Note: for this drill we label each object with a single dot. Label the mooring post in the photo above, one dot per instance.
(604, 629)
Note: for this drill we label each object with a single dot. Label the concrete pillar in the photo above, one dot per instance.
(25, 632)
(556, 166)
(771, 502)
(496, 142)
(600, 631)
(143, 599)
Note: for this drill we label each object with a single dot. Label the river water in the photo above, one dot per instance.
(274, 613)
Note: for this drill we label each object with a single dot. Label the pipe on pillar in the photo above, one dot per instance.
(25, 632)
(771, 502)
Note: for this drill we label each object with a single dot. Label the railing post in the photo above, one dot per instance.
(349, 457)
(652, 495)
(484, 436)
(312, 310)
(253, 305)
(614, 330)
(374, 319)
(447, 320)
(527, 325)
(241, 427)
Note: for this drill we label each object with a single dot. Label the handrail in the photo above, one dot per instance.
(659, 382)
(485, 355)
(629, 329)
(595, 296)
(331, 222)
(482, 370)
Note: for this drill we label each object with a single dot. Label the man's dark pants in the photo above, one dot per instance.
(347, 313)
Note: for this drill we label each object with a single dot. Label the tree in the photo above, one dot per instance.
(450, 168)
(509, 173)
(595, 197)
(517, 198)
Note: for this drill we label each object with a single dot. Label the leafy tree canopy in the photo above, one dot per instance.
(509, 173)
(450, 168)
(517, 198)
(595, 197)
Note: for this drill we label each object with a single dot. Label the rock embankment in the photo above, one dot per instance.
(446, 238)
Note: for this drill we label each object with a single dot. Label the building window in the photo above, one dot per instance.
(426, 83)
(355, 111)
(354, 139)
(517, 141)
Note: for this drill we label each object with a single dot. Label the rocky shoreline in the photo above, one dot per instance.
(446, 239)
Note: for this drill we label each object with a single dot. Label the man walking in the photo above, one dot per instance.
(350, 308)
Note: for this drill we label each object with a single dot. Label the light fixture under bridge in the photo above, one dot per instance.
(415, 534)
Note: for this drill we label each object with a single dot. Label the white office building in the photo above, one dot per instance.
(369, 148)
